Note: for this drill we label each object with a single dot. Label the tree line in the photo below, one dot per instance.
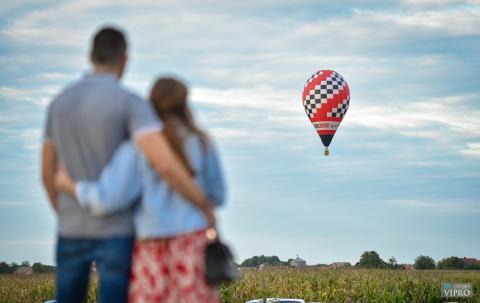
(371, 259)
(6, 268)
(256, 261)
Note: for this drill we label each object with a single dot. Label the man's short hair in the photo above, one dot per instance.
(109, 45)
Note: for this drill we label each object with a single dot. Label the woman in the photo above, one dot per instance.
(168, 256)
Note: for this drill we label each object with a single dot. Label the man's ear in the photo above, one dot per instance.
(90, 57)
(122, 65)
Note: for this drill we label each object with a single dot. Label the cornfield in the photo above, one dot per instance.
(319, 285)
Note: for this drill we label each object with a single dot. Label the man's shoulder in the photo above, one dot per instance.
(116, 88)
(130, 95)
(65, 91)
(128, 98)
(80, 87)
(70, 89)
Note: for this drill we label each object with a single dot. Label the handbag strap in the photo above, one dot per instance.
(211, 232)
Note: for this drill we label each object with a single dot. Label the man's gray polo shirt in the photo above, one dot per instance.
(86, 123)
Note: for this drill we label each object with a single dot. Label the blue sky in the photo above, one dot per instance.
(403, 177)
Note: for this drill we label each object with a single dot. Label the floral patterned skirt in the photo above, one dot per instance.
(171, 270)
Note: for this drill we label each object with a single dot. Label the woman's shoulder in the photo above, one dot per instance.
(197, 142)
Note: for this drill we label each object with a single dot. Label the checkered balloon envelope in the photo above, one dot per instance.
(326, 98)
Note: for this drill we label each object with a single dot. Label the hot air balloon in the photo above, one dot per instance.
(326, 98)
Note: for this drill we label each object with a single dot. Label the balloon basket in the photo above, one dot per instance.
(326, 153)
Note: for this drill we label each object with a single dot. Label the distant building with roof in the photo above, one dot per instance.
(336, 265)
(471, 261)
(298, 263)
(24, 270)
(407, 266)
(265, 266)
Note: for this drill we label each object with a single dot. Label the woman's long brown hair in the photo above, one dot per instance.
(169, 98)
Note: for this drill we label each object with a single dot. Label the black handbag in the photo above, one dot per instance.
(219, 265)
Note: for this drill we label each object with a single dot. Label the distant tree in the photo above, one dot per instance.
(424, 262)
(472, 266)
(371, 259)
(256, 261)
(13, 267)
(451, 263)
(39, 268)
(392, 263)
(250, 262)
(50, 268)
(36, 267)
(4, 268)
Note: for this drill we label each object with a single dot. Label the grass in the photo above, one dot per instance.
(319, 285)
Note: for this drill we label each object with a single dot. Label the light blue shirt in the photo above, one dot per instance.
(160, 211)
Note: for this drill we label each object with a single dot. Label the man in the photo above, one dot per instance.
(85, 125)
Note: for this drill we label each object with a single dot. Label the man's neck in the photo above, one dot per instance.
(104, 69)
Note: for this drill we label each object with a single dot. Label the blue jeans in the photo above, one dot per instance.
(112, 258)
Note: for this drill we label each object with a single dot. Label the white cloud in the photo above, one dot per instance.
(246, 50)
(29, 138)
(472, 149)
(439, 2)
(9, 92)
(42, 27)
(458, 206)
(457, 22)
(40, 97)
(229, 133)
(265, 99)
(55, 76)
(445, 121)
(196, 26)
(420, 118)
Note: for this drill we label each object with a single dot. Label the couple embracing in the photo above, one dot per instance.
(133, 183)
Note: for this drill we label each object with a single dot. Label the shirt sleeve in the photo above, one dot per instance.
(118, 187)
(215, 183)
(141, 117)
